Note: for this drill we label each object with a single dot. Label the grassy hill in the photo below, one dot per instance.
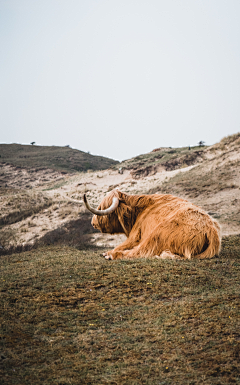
(53, 157)
(166, 158)
(71, 317)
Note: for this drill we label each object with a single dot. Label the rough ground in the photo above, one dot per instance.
(46, 205)
(69, 316)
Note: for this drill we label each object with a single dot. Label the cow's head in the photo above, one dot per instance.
(112, 214)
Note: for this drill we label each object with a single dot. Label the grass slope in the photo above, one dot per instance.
(165, 157)
(70, 317)
(211, 176)
(217, 177)
(53, 157)
(200, 181)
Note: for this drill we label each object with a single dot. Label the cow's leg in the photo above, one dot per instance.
(152, 246)
(129, 244)
(124, 253)
(138, 252)
(129, 249)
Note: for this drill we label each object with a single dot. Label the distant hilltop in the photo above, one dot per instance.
(63, 159)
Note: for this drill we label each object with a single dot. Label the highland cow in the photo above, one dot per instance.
(156, 225)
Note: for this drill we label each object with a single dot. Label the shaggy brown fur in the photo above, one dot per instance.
(159, 225)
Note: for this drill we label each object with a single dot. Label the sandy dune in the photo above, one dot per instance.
(63, 195)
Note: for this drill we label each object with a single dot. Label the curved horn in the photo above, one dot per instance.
(114, 205)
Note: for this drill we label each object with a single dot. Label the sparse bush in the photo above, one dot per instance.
(7, 237)
(21, 206)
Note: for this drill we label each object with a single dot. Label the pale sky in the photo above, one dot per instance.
(119, 78)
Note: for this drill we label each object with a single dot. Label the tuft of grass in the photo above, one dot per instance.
(55, 186)
(228, 140)
(71, 317)
(21, 205)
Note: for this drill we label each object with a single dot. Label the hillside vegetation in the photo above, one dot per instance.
(164, 158)
(52, 157)
(45, 205)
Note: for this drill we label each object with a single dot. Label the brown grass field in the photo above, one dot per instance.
(68, 316)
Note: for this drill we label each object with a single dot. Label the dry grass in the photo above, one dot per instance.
(228, 141)
(27, 178)
(75, 232)
(214, 187)
(17, 205)
(20, 204)
(163, 158)
(52, 157)
(71, 317)
(203, 181)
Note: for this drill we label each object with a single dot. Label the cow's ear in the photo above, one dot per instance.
(121, 196)
(124, 213)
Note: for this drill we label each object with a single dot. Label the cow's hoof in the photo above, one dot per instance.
(166, 254)
(108, 256)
